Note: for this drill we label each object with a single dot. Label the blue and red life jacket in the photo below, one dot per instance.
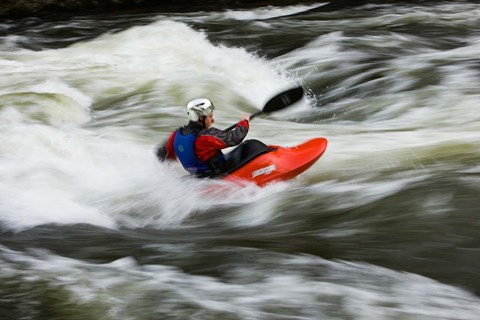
(183, 145)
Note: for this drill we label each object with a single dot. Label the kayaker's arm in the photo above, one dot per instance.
(236, 135)
(210, 141)
(166, 151)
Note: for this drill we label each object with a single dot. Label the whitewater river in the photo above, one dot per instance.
(384, 226)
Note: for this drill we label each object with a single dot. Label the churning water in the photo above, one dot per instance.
(383, 226)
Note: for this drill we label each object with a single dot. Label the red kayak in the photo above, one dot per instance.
(263, 164)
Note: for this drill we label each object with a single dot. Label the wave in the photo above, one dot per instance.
(71, 126)
(275, 285)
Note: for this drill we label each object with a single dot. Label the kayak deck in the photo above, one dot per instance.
(276, 163)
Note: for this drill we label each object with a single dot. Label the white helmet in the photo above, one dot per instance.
(199, 107)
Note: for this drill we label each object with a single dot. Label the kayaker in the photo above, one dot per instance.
(198, 145)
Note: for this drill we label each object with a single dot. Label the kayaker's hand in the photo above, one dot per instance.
(246, 117)
(161, 153)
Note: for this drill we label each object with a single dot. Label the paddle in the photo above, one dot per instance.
(278, 102)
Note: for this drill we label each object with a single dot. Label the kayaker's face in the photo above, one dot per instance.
(209, 120)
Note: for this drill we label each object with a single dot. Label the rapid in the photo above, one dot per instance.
(383, 226)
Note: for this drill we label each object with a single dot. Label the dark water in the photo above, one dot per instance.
(384, 226)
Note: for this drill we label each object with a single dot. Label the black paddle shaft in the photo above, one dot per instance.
(278, 102)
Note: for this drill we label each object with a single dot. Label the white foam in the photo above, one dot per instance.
(268, 12)
(168, 52)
